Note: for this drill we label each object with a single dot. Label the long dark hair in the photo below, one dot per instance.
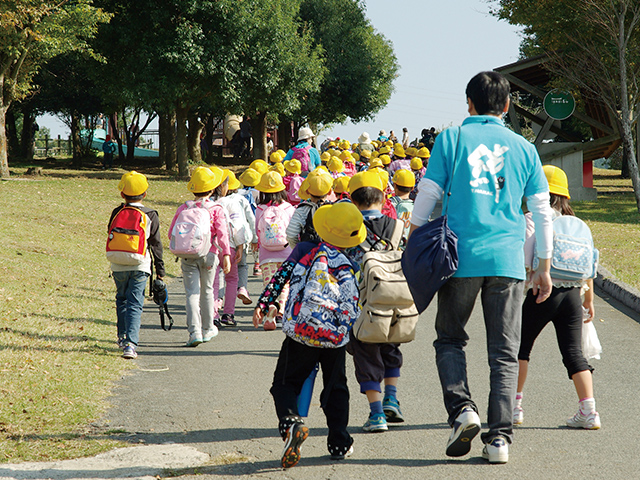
(275, 198)
(561, 204)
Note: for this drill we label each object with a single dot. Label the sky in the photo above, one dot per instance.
(439, 45)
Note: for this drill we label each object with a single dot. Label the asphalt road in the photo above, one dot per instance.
(215, 399)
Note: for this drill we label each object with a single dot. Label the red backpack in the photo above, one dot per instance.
(127, 240)
(302, 154)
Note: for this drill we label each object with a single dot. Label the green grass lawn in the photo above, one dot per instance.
(615, 224)
(58, 357)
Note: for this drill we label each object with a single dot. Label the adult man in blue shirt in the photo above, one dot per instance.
(487, 169)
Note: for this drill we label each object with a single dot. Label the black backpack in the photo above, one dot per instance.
(308, 233)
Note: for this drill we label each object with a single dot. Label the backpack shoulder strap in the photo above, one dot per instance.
(396, 236)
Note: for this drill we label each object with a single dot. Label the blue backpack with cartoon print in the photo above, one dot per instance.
(323, 300)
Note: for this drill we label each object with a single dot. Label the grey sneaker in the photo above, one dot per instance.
(465, 427)
(590, 421)
(129, 352)
(496, 451)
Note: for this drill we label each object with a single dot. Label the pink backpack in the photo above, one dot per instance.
(302, 154)
(191, 234)
(272, 228)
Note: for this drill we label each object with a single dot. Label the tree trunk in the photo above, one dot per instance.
(13, 144)
(181, 141)
(193, 137)
(169, 140)
(260, 136)
(76, 147)
(27, 138)
(284, 135)
(115, 134)
(4, 162)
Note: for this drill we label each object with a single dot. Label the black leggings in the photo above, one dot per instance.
(564, 309)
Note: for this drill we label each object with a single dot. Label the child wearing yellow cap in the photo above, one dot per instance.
(292, 180)
(131, 261)
(403, 183)
(340, 226)
(199, 273)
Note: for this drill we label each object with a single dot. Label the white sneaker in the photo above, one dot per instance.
(209, 334)
(590, 421)
(465, 427)
(497, 451)
(518, 416)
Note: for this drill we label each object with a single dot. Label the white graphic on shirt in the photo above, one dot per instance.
(484, 160)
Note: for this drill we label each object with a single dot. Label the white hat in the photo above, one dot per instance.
(364, 138)
(305, 133)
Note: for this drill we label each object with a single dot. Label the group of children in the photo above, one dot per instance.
(283, 214)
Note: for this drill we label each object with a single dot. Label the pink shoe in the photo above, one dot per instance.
(244, 296)
(270, 319)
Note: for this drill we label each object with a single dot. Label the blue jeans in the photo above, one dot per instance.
(502, 307)
(130, 287)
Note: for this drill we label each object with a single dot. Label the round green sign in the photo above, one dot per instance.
(559, 104)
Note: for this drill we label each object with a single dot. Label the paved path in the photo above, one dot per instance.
(214, 399)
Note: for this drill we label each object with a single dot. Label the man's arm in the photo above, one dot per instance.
(429, 192)
(542, 217)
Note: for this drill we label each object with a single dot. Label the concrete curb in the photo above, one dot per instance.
(625, 294)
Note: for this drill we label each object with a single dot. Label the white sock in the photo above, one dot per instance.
(519, 399)
(588, 405)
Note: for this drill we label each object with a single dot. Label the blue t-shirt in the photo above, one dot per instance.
(495, 169)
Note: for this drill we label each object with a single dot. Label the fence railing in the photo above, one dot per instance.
(53, 147)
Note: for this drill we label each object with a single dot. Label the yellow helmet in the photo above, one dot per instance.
(204, 179)
(398, 151)
(277, 167)
(293, 166)
(260, 165)
(416, 163)
(404, 178)
(386, 159)
(557, 179)
(250, 177)
(335, 165)
(368, 178)
(412, 152)
(324, 158)
(133, 184)
(340, 224)
(270, 182)
(341, 184)
(275, 157)
(375, 163)
(234, 183)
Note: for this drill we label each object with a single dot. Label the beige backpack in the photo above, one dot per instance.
(388, 312)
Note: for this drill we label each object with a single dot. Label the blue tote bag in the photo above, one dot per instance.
(431, 255)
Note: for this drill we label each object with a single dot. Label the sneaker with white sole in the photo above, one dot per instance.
(243, 295)
(342, 456)
(391, 409)
(296, 434)
(376, 423)
(270, 318)
(193, 341)
(590, 421)
(518, 415)
(496, 451)
(209, 334)
(129, 352)
(465, 427)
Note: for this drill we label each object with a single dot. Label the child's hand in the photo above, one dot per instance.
(588, 305)
(226, 264)
(257, 317)
(238, 256)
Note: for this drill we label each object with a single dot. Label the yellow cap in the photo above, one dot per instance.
(293, 166)
(204, 179)
(369, 178)
(398, 151)
(384, 150)
(389, 143)
(234, 183)
(275, 157)
(278, 167)
(375, 154)
(375, 163)
(385, 159)
(557, 180)
(355, 156)
(316, 185)
(282, 153)
(333, 144)
(250, 177)
(404, 178)
(384, 177)
(412, 152)
(365, 153)
(325, 157)
(424, 152)
(341, 184)
(335, 165)
(260, 165)
(346, 156)
(340, 224)
(133, 184)
(270, 182)
(416, 163)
